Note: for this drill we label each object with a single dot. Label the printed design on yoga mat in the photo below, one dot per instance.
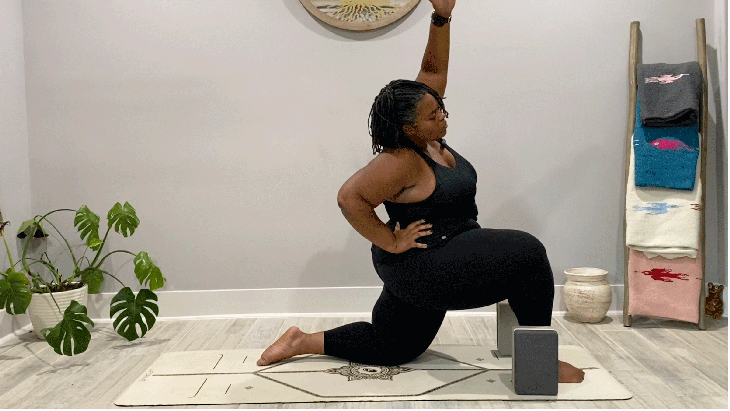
(664, 79)
(289, 374)
(655, 208)
(355, 371)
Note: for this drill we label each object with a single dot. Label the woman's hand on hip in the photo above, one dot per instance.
(405, 239)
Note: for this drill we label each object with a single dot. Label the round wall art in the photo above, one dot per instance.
(359, 14)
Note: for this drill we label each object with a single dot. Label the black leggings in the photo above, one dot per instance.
(476, 268)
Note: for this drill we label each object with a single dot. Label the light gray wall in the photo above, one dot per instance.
(231, 125)
(15, 189)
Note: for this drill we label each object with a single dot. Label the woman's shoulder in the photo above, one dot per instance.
(403, 159)
(403, 156)
(400, 151)
(396, 152)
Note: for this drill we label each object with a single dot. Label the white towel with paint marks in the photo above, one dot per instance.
(662, 221)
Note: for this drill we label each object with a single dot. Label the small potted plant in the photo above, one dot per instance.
(70, 336)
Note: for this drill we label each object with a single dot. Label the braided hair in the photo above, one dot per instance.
(394, 107)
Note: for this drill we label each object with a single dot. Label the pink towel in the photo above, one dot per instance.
(660, 287)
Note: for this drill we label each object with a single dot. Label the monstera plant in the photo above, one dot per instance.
(71, 336)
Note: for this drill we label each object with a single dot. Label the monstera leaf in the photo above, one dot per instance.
(14, 293)
(70, 331)
(88, 225)
(147, 272)
(124, 219)
(92, 276)
(131, 310)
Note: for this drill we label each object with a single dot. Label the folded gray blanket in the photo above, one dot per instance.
(669, 94)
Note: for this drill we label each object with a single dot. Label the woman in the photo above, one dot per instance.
(429, 187)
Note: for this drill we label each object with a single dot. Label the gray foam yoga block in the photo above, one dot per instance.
(506, 323)
(535, 361)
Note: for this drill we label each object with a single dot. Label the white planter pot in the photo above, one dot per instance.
(587, 294)
(43, 311)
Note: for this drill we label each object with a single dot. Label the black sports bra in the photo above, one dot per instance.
(450, 208)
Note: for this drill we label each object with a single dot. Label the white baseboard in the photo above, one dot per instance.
(273, 302)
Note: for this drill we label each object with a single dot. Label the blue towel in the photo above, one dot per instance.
(670, 94)
(665, 157)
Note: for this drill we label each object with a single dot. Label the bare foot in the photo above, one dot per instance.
(568, 373)
(285, 347)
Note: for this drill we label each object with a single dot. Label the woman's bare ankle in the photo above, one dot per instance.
(312, 343)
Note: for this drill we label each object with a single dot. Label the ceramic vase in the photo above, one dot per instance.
(587, 294)
(43, 312)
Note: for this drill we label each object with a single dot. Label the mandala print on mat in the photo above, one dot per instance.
(355, 371)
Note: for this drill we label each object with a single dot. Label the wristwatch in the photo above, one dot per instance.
(439, 20)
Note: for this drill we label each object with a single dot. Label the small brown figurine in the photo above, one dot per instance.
(713, 303)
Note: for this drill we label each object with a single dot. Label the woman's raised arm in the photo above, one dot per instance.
(435, 64)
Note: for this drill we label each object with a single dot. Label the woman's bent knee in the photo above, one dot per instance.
(530, 240)
(402, 351)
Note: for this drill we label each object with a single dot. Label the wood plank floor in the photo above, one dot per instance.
(666, 364)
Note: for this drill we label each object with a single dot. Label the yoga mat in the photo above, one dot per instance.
(441, 373)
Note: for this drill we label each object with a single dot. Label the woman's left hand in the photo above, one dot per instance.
(443, 7)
